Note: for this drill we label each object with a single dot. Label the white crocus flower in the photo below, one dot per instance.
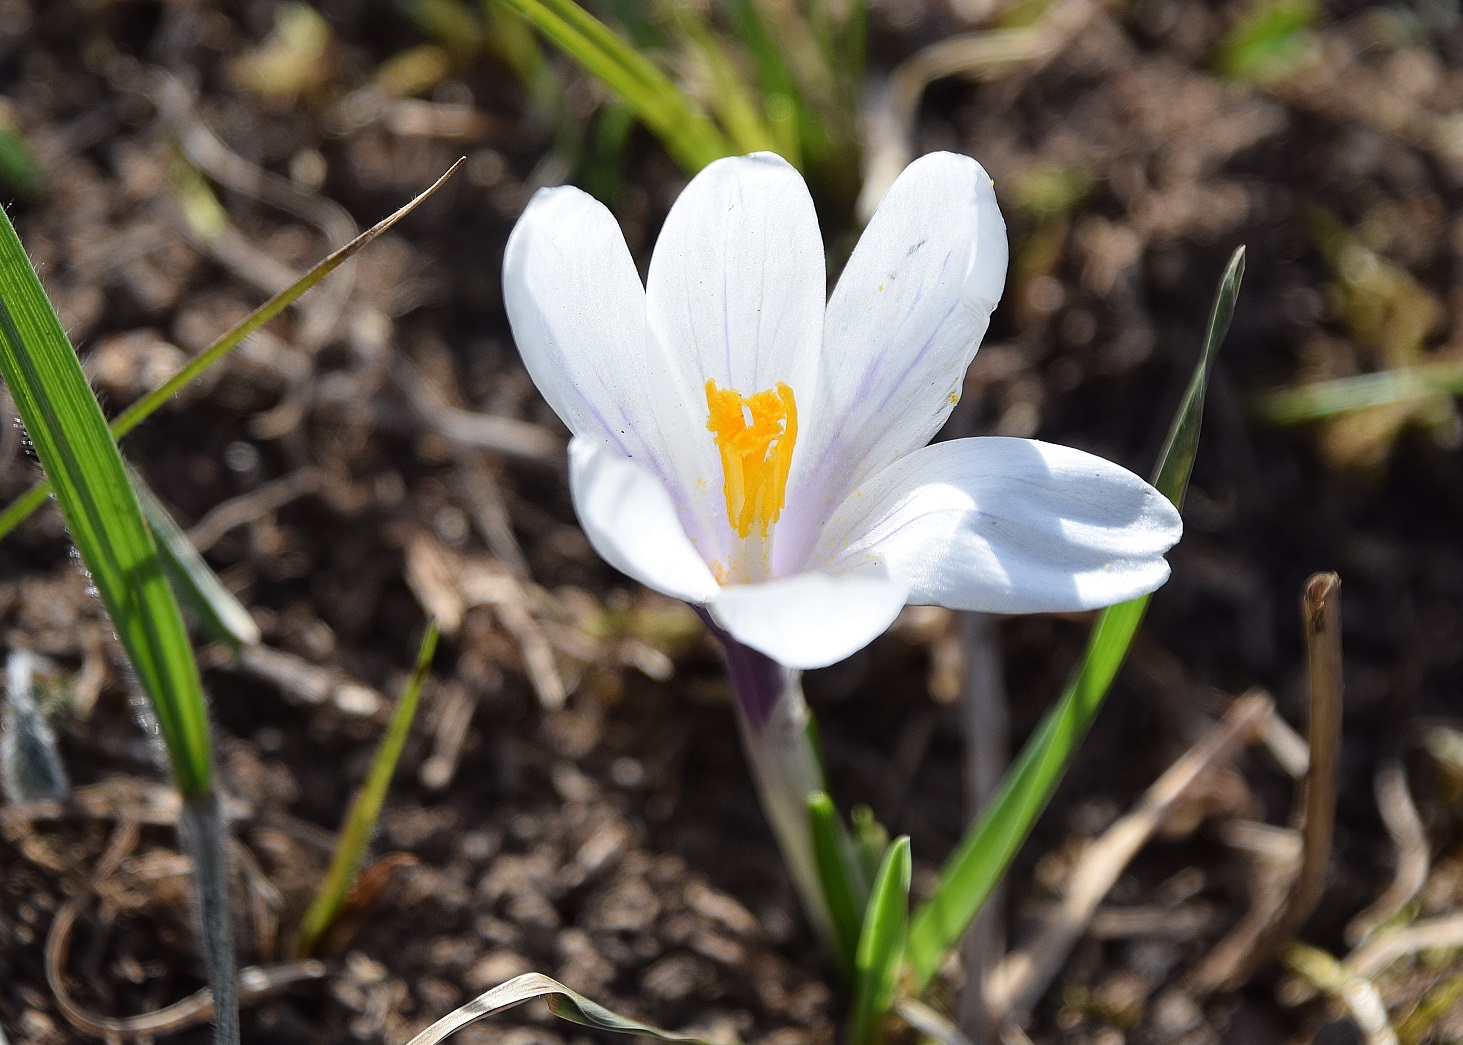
(745, 446)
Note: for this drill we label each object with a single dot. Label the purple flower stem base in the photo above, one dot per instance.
(773, 720)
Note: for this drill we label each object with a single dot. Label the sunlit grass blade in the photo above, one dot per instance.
(215, 610)
(562, 1002)
(1323, 399)
(365, 809)
(844, 887)
(80, 457)
(984, 853)
(881, 945)
(145, 407)
(682, 126)
(735, 106)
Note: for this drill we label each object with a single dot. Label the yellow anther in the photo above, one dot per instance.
(755, 435)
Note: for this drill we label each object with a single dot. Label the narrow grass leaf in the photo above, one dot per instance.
(79, 455)
(844, 887)
(881, 945)
(216, 611)
(681, 125)
(984, 853)
(562, 1002)
(1323, 399)
(365, 809)
(145, 407)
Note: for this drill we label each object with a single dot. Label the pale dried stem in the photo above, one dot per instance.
(1399, 814)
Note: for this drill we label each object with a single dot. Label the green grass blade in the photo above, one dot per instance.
(365, 809)
(984, 853)
(732, 100)
(80, 457)
(843, 883)
(1322, 399)
(562, 1002)
(215, 610)
(881, 945)
(145, 407)
(1176, 459)
(681, 125)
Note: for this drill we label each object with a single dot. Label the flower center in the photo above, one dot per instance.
(755, 435)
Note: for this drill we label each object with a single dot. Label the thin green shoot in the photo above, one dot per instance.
(365, 809)
(681, 124)
(145, 407)
(80, 457)
(845, 888)
(987, 849)
(1323, 399)
(216, 611)
(881, 945)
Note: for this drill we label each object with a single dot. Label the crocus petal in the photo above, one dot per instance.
(577, 309)
(810, 620)
(1006, 526)
(902, 326)
(631, 521)
(737, 281)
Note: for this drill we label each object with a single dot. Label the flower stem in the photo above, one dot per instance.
(775, 727)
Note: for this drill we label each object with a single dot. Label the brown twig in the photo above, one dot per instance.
(506, 436)
(237, 511)
(1269, 925)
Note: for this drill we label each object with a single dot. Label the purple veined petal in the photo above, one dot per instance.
(1006, 526)
(630, 519)
(901, 329)
(737, 282)
(577, 309)
(735, 295)
(810, 620)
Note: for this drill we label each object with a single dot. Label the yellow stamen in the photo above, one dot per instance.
(755, 435)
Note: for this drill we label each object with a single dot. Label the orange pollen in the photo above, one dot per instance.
(755, 435)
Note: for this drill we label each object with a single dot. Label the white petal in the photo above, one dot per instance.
(630, 519)
(810, 620)
(737, 281)
(902, 326)
(578, 314)
(1006, 526)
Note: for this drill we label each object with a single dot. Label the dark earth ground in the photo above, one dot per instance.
(615, 842)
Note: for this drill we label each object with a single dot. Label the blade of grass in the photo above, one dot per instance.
(365, 809)
(215, 610)
(983, 854)
(681, 125)
(1322, 399)
(145, 407)
(735, 106)
(881, 945)
(843, 882)
(70, 436)
(562, 1002)
(81, 459)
